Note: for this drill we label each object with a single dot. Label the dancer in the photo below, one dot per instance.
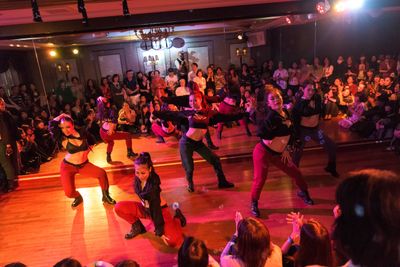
(108, 119)
(274, 149)
(198, 120)
(152, 206)
(183, 102)
(78, 145)
(306, 114)
(229, 105)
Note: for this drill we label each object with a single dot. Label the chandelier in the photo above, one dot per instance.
(153, 37)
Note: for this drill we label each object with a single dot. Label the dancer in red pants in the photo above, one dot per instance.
(108, 120)
(274, 149)
(78, 146)
(152, 206)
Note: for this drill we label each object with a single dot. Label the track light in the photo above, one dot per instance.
(35, 11)
(289, 20)
(82, 9)
(125, 8)
(241, 36)
(323, 7)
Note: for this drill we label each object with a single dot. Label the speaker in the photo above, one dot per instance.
(256, 39)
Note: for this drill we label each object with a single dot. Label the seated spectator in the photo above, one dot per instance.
(182, 89)
(30, 157)
(345, 99)
(314, 247)
(127, 263)
(193, 253)
(367, 226)
(68, 262)
(356, 111)
(144, 120)
(44, 140)
(127, 119)
(331, 103)
(251, 246)
(92, 125)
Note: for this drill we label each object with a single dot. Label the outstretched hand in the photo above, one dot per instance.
(238, 218)
(296, 219)
(165, 239)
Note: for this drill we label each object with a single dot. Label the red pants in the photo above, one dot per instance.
(228, 109)
(158, 131)
(68, 172)
(262, 160)
(132, 211)
(109, 139)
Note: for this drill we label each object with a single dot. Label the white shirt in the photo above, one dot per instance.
(201, 82)
(182, 91)
(280, 76)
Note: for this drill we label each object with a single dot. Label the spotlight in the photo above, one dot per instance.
(241, 36)
(75, 51)
(53, 53)
(12, 45)
(323, 7)
(355, 4)
(340, 6)
(344, 5)
(35, 11)
(82, 9)
(125, 8)
(288, 20)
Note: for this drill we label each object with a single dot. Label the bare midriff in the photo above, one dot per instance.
(277, 144)
(196, 134)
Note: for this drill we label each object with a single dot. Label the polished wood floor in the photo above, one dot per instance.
(38, 226)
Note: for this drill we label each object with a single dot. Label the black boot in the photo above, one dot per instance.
(109, 160)
(223, 183)
(254, 208)
(77, 201)
(331, 168)
(131, 154)
(190, 187)
(303, 194)
(248, 133)
(212, 146)
(107, 198)
(160, 140)
(137, 228)
(180, 216)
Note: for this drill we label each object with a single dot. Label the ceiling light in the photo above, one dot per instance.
(25, 46)
(288, 20)
(340, 6)
(75, 51)
(18, 45)
(242, 36)
(11, 45)
(323, 7)
(355, 4)
(53, 53)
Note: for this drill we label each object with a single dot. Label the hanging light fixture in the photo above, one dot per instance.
(82, 10)
(153, 37)
(125, 8)
(35, 11)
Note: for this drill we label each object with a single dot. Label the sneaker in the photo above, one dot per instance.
(225, 184)
(333, 172)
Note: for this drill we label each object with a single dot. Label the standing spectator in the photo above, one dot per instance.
(294, 76)
(201, 81)
(220, 80)
(8, 146)
(193, 73)
(117, 91)
(317, 71)
(105, 88)
(77, 88)
(158, 85)
(340, 68)
(210, 80)
(92, 91)
(172, 81)
(64, 93)
(144, 86)
(132, 88)
(280, 76)
(181, 66)
(351, 68)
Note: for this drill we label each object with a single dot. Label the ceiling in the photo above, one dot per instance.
(20, 11)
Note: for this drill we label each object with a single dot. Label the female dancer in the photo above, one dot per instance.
(306, 114)
(108, 120)
(152, 206)
(198, 119)
(229, 105)
(275, 131)
(78, 146)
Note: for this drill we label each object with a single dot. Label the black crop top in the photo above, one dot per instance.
(72, 149)
(198, 119)
(274, 125)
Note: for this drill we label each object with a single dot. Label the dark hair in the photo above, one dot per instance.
(193, 252)
(102, 79)
(126, 72)
(195, 64)
(253, 242)
(368, 228)
(127, 263)
(74, 78)
(113, 77)
(144, 158)
(15, 264)
(315, 245)
(198, 71)
(68, 262)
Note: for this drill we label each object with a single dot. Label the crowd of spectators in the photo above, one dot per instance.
(363, 93)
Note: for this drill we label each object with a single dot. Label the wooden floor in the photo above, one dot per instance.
(38, 226)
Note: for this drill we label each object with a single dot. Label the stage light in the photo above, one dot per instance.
(355, 4)
(35, 11)
(340, 6)
(53, 53)
(240, 36)
(18, 45)
(12, 45)
(323, 7)
(288, 20)
(75, 51)
(125, 8)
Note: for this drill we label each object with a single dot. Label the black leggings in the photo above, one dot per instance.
(187, 146)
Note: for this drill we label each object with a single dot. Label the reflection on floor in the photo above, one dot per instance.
(38, 226)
